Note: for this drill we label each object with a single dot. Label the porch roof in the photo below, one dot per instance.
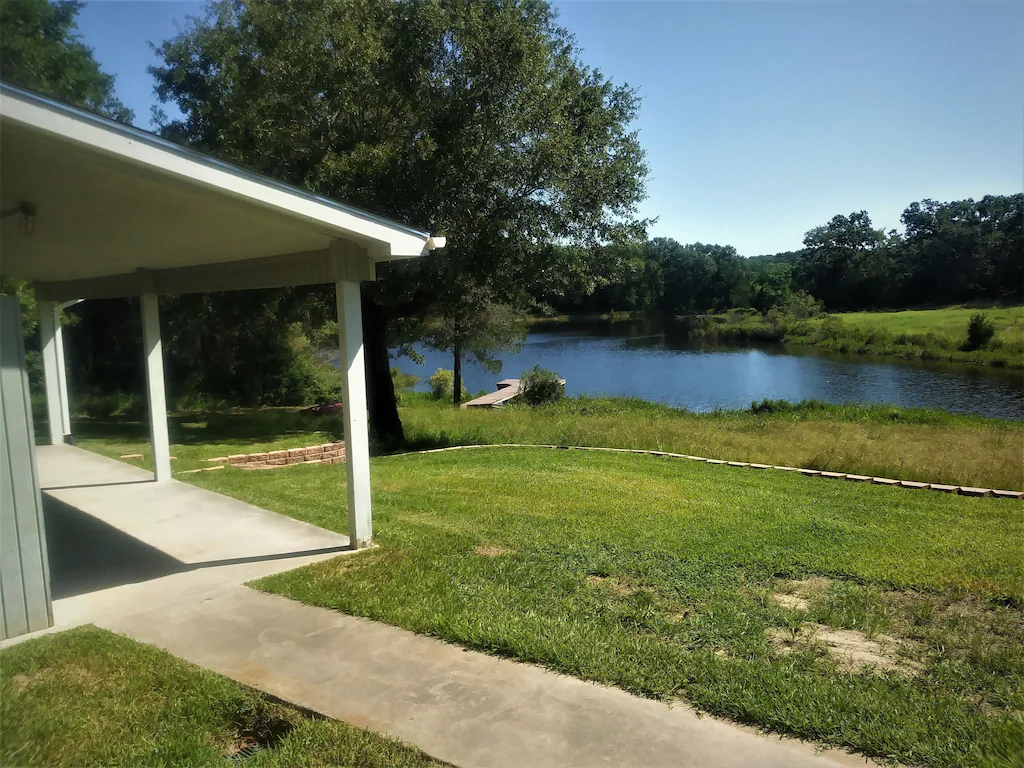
(105, 199)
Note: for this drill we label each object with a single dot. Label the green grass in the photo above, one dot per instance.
(932, 334)
(197, 437)
(880, 441)
(905, 443)
(951, 321)
(656, 575)
(88, 697)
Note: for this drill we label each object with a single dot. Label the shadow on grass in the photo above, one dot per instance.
(242, 428)
(236, 428)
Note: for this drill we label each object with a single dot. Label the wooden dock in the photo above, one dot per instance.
(507, 389)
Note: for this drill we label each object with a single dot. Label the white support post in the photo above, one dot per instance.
(62, 378)
(155, 387)
(357, 440)
(49, 322)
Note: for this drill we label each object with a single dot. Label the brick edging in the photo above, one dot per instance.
(963, 490)
(326, 453)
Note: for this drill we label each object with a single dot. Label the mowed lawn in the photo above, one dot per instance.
(735, 589)
(88, 697)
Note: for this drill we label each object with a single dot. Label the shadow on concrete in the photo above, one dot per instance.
(95, 485)
(266, 558)
(87, 555)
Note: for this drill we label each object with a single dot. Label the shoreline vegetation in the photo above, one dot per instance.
(926, 334)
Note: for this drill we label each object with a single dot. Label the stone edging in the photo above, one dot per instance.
(963, 490)
(326, 453)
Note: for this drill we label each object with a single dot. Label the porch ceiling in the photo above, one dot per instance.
(110, 200)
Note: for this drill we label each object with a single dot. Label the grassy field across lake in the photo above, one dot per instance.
(928, 334)
(744, 592)
(951, 321)
(88, 697)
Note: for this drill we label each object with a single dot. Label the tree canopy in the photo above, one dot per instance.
(961, 251)
(40, 49)
(476, 120)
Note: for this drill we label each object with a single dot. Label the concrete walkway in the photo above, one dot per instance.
(464, 707)
(165, 564)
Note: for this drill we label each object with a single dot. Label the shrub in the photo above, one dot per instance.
(832, 327)
(801, 306)
(540, 386)
(768, 405)
(980, 331)
(403, 380)
(442, 384)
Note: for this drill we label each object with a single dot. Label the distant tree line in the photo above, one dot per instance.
(963, 251)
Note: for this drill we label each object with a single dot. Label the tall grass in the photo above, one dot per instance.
(907, 443)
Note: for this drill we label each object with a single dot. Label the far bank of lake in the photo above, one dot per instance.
(647, 359)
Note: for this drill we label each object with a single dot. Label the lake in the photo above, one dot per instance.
(643, 358)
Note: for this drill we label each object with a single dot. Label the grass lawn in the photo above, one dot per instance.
(930, 334)
(741, 591)
(951, 321)
(199, 436)
(924, 334)
(88, 697)
(880, 441)
(904, 443)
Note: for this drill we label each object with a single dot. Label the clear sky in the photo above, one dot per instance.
(761, 119)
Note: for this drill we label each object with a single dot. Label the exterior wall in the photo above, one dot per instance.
(24, 571)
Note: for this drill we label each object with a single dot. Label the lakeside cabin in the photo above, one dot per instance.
(507, 389)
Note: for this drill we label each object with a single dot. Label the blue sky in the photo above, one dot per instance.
(762, 119)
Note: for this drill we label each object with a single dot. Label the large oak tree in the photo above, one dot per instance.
(475, 119)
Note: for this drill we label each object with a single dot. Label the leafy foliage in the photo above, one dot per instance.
(979, 331)
(477, 120)
(242, 347)
(470, 326)
(540, 386)
(40, 49)
(442, 383)
(963, 251)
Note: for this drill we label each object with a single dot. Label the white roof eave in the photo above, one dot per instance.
(388, 239)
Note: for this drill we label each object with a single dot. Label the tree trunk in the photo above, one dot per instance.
(380, 388)
(457, 366)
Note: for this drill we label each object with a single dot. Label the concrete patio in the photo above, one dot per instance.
(117, 540)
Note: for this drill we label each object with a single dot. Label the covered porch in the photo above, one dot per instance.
(118, 542)
(93, 209)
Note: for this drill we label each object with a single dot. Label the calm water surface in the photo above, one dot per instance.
(645, 359)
